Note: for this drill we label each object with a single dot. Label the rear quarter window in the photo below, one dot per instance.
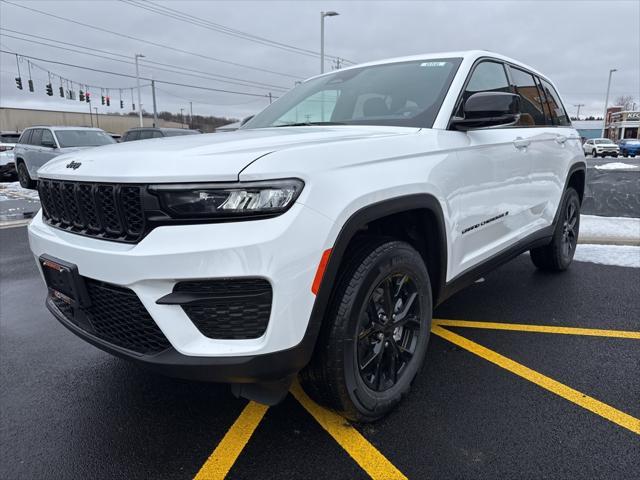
(556, 109)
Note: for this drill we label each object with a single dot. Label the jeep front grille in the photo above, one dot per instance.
(106, 211)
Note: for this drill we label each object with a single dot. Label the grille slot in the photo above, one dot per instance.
(108, 211)
(116, 316)
(234, 309)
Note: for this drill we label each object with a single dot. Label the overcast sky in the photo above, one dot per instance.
(574, 42)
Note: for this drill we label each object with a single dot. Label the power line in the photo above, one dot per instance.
(178, 15)
(199, 87)
(147, 63)
(160, 45)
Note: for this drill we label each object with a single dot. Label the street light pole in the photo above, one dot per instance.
(136, 56)
(97, 121)
(181, 118)
(606, 102)
(322, 15)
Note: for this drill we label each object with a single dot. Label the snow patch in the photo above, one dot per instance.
(620, 229)
(617, 255)
(616, 166)
(13, 191)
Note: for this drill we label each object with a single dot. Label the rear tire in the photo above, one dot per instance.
(558, 255)
(375, 334)
(24, 178)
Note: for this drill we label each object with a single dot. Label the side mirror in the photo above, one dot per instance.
(489, 109)
(44, 143)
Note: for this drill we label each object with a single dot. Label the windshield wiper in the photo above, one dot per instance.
(304, 124)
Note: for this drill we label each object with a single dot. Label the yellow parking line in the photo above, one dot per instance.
(226, 453)
(366, 455)
(579, 398)
(595, 332)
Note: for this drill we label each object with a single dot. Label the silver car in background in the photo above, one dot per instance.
(37, 145)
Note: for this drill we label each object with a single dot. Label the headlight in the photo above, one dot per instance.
(229, 199)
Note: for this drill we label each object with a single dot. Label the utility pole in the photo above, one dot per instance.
(155, 109)
(322, 15)
(578, 105)
(136, 56)
(90, 116)
(606, 102)
(181, 118)
(190, 114)
(97, 121)
(270, 98)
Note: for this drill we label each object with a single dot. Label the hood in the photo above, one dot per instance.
(196, 158)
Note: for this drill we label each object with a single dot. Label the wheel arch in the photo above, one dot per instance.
(433, 249)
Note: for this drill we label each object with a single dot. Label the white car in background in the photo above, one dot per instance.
(600, 147)
(7, 163)
(38, 145)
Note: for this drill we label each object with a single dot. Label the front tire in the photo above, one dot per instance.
(374, 337)
(594, 154)
(24, 178)
(558, 255)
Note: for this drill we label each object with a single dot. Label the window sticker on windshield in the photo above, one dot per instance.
(433, 64)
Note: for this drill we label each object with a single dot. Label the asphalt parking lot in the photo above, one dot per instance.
(512, 400)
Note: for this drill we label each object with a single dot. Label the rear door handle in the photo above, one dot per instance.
(521, 143)
(560, 139)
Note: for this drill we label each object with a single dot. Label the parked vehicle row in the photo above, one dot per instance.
(604, 147)
(39, 144)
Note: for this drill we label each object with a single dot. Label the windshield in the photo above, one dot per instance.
(82, 138)
(631, 142)
(402, 94)
(603, 142)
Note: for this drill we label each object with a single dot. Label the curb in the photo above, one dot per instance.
(14, 223)
(609, 241)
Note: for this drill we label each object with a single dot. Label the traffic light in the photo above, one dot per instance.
(87, 97)
(121, 103)
(102, 98)
(61, 92)
(81, 95)
(108, 101)
(19, 83)
(30, 85)
(49, 90)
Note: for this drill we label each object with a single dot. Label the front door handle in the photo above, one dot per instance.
(521, 143)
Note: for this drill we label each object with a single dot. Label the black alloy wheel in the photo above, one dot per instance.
(569, 231)
(388, 332)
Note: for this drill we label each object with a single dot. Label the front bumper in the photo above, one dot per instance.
(284, 250)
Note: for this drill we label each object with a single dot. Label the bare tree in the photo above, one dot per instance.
(625, 101)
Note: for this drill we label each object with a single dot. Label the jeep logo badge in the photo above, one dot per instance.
(74, 165)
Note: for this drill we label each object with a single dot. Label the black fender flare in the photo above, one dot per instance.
(348, 231)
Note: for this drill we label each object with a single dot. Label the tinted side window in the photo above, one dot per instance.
(130, 136)
(47, 137)
(531, 102)
(558, 113)
(486, 77)
(36, 137)
(25, 137)
(157, 134)
(144, 134)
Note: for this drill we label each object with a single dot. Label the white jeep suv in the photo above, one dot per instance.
(318, 238)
